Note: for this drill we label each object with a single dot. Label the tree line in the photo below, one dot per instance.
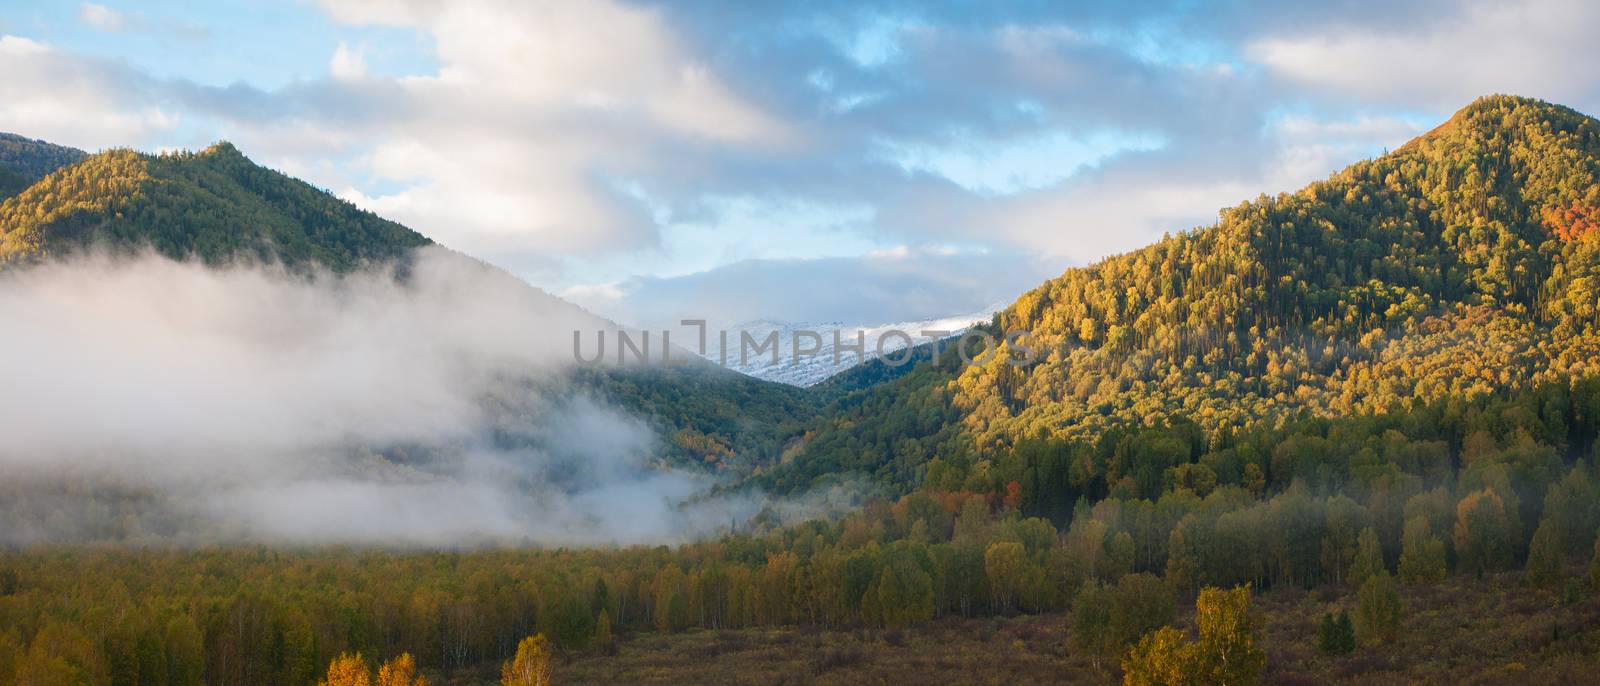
(1468, 487)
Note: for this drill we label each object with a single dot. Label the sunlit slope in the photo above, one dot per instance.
(1466, 262)
(214, 204)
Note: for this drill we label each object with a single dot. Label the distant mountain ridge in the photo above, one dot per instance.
(24, 161)
(810, 368)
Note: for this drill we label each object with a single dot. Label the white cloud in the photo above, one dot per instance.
(517, 145)
(1536, 48)
(587, 142)
(101, 17)
(593, 293)
(58, 97)
(17, 46)
(1132, 202)
(517, 148)
(347, 63)
(1005, 167)
(899, 284)
(1362, 127)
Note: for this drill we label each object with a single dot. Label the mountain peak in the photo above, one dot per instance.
(222, 149)
(1495, 101)
(1495, 116)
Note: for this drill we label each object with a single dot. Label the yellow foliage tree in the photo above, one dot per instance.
(531, 666)
(1161, 658)
(400, 671)
(1225, 654)
(347, 670)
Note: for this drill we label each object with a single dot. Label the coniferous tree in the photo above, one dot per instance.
(1336, 635)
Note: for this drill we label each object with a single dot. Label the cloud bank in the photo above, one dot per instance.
(583, 144)
(423, 403)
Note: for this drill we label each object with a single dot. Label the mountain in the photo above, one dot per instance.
(24, 161)
(215, 205)
(1465, 263)
(219, 207)
(810, 368)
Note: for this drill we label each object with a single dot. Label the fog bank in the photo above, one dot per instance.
(424, 403)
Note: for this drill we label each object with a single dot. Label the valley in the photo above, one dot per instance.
(1344, 434)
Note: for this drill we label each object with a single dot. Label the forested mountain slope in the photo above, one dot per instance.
(214, 204)
(218, 206)
(24, 161)
(1466, 262)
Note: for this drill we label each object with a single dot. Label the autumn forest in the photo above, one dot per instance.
(1282, 448)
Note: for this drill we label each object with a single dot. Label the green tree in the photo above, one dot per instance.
(1378, 609)
(1336, 635)
(186, 662)
(1369, 557)
(1422, 556)
(1119, 556)
(1545, 555)
(1089, 624)
(1006, 565)
(904, 593)
(1140, 603)
(671, 609)
(1594, 565)
(1483, 532)
(603, 638)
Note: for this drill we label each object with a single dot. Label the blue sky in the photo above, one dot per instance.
(860, 161)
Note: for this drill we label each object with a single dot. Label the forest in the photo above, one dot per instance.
(1376, 389)
(1461, 264)
(1111, 535)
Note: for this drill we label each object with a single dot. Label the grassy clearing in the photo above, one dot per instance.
(1464, 631)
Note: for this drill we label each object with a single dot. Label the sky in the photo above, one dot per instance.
(859, 162)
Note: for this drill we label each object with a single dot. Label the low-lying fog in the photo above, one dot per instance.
(148, 399)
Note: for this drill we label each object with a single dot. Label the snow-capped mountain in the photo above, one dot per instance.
(809, 368)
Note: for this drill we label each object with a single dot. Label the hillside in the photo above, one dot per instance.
(194, 204)
(219, 207)
(1354, 427)
(24, 161)
(1464, 263)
